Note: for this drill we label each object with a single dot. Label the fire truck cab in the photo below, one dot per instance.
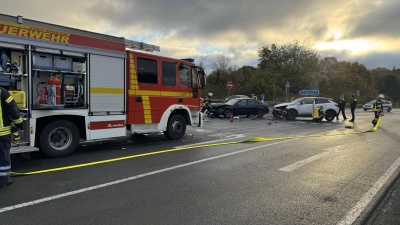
(73, 85)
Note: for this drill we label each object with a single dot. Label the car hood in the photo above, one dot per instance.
(282, 105)
(217, 105)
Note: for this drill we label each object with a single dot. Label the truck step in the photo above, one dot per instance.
(21, 148)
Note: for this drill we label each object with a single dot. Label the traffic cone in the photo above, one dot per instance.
(231, 117)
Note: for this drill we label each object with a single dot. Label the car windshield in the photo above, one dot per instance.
(371, 102)
(232, 101)
(297, 100)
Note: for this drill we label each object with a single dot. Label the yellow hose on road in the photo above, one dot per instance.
(254, 139)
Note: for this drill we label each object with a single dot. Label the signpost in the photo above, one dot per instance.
(287, 89)
(230, 85)
(309, 92)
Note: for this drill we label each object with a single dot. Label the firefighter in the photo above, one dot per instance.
(342, 104)
(9, 114)
(377, 108)
(207, 104)
(353, 105)
(318, 114)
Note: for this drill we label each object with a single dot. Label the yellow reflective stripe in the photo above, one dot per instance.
(103, 90)
(159, 93)
(7, 128)
(9, 99)
(18, 121)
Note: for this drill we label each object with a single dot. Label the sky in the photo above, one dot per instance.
(366, 31)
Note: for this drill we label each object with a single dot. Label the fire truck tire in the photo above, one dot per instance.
(59, 138)
(176, 127)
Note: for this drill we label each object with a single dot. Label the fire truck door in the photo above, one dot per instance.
(107, 101)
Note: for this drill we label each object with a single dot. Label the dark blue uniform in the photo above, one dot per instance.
(9, 113)
(353, 105)
(342, 104)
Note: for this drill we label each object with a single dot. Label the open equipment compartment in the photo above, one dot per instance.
(13, 77)
(58, 79)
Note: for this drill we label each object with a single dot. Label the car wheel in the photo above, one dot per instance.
(365, 109)
(389, 109)
(260, 113)
(291, 114)
(330, 115)
(227, 113)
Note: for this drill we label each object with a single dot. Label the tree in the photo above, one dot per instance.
(387, 81)
(347, 78)
(295, 62)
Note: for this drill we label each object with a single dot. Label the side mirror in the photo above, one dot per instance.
(202, 77)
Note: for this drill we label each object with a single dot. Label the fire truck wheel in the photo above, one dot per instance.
(176, 127)
(59, 138)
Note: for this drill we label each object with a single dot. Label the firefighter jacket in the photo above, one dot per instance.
(342, 103)
(9, 113)
(378, 105)
(207, 102)
(353, 103)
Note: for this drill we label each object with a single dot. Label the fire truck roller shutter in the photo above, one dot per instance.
(107, 97)
(107, 76)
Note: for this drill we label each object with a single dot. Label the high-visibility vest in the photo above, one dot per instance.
(317, 113)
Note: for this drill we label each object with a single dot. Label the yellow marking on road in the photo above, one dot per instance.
(255, 139)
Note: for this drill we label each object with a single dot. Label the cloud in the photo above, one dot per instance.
(381, 20)
(203, 29)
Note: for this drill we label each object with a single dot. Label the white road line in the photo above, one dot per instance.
(207, 142)
(247, 128)
(5, 209)
(361, 205)
(34, 202)
(301, 163)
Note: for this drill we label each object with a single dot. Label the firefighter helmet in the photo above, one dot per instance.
(210, 94)
(381, 96)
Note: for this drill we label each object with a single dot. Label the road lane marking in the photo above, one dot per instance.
(301, 163)
(54, 197)
(230, 137)
(361, 205)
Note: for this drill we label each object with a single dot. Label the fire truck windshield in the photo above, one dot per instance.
(192, 76)
(201, 77)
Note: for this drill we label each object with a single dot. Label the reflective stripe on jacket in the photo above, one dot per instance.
(9, 113)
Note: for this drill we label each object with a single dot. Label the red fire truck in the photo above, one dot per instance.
(73, 85)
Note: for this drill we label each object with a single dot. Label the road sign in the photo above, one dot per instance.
(358, 93)
(309, 92)
(287, 84)
(230, 85)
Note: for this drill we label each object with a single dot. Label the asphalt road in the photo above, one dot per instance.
(338, 178)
